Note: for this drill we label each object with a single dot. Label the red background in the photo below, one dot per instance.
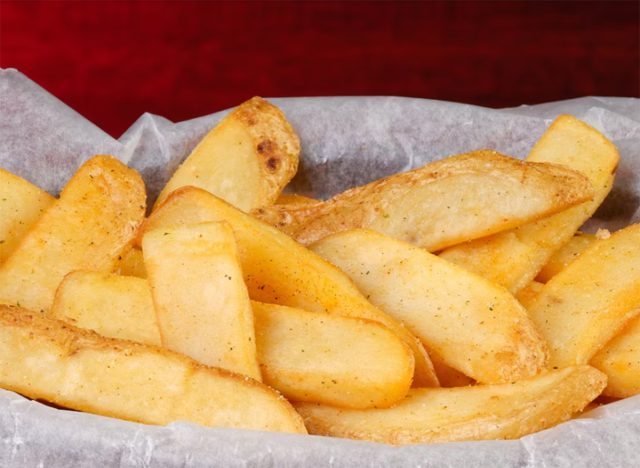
(112, 61)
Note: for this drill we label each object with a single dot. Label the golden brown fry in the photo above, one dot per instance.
(475, 326)
(341, 361)
(49, 360)
(620, 360)
(441, 204)
(565, 255)
(247, 159)
(21, 204)
(585, 305)
(112, 305)
(307, 356)
(88, 228)
(201, 301)
(482, 412)
(515, 257)
(279, 270)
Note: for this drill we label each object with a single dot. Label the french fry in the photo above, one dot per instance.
(21, 204)
(565, 255)
(89, 227)
(340, 361)
(47, 359)
(278, 270)
(482, 412)
(201, 301)
(441, 204)
(476, 327)
(620, 360)
(585, 305)
(247, 159)
(112, 305)
(307, 356)
(514, 258)
(132, 264)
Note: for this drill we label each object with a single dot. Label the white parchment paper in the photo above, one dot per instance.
(345, 141)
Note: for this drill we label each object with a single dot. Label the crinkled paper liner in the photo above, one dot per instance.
(346, 141)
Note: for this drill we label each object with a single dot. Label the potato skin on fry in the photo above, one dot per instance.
(442, 203)
(87, 228)
(483, 412)
(47, 359)
(247, 159)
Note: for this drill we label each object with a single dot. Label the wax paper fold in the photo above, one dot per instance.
(346, 141)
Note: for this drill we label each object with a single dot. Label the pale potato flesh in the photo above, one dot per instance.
(514, 258)
(87, 228)
(21, 204)
(620, 360)
(506, 411)
(278, 270)
(50, 360)
(200, 298)
(339, 361)
(476, 327)
(441, 204)
(565, 255)
(585, 305)
(307, 356)
(247, 159)
(112, 305)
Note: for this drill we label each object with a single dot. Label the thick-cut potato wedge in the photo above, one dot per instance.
(475, 326)
(565, 255)
(88, 228)
(278, 270)
(132, 264)
(321, 358)
(514, 258)
(506, 411)
(21, 204)
(47, 359)
(247, 159)
(340, 361)
(585, 305)
(295, 199)
(620, 360)
(112, 305)
(441, 204)
(200, 298)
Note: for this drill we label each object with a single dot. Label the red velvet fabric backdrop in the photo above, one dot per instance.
(114, 60)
